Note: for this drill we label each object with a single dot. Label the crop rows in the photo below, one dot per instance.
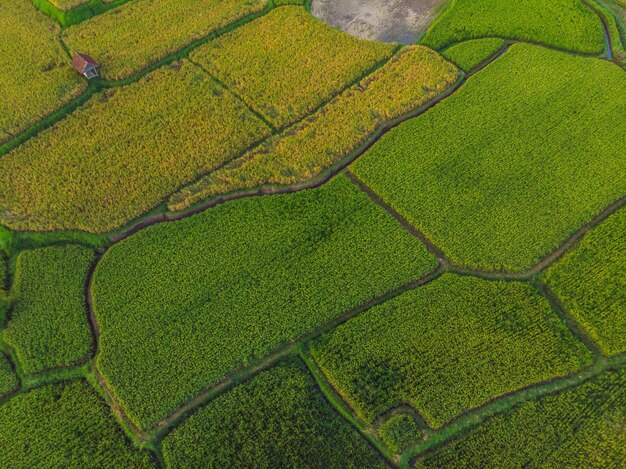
(590, 282)
(448, 347)
(8, 380)
(467, 55)
(469, 177)
(411, 78)
(129, 38)
(49, 326)
(126, 149)
(287, 63)
(35, 77)
(182, 304)
(61, 425)
(277, 419)
(563, 24)
(580, 427)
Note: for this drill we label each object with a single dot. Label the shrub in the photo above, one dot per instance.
(470, 54)
(277, 419)
(399, 432)
(64, 425)
(412, 77)
(469, 177)
(579, 427)
(35, 76)
(124, 151)
(8, 380)
(447, 347)
(563, 24)
(49, 327)
(287, 63)
(130, 38)
(590, 281)
(182, 304)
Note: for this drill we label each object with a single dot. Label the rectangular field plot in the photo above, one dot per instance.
(124, 151)
(182, 304)
(579, 427)
(128, 39)
(64, 425)
(590, 282)
(563, 24)
(448, 347)
(287, 63)
(467, 174)
(8, 380)
(35, 76)
(49, 327)
(277, 419)
(411, 78)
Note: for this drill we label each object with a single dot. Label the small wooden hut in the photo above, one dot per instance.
(85, 65)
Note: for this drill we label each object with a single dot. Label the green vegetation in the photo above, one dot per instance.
(287, 63)
(278, 419)
(563, 24)
(467, 174)
(590, 280)
(399, 432)
(130, 38)
(35, 76)
(447, 347)
(411, 78)
(67, 4)
(579, 427)
(182, 304)
(124, 151)
(64, 425)
(469, 54)
(8, 380)
(49, 327)
(4, 283)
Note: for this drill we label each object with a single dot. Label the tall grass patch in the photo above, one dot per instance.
(287, 63)
(448, 347)
(277, 419)
(181, 305)
(502, 172)
(124, 151)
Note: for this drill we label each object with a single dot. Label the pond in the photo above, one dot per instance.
(402, 21)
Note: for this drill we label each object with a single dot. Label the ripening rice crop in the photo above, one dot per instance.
(287, 63)
(64, 425)
(411, 78)
(124, 151)
(67, 4)
(182, 304)
(579, 427)
(467, 55)
(564, 24)
(467, 174)
(277, 419)
(35, 76)
(49, 327)
(448, 347)
(8, 380)
(590, 282)
(129, 38)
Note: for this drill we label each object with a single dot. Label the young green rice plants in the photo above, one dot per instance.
(67, 4)
(49, 327)
(589, 281)
(8, 380)
(125, 150)
(64, 425)
(447, 347)
(35, 76)
(287, 63)
(469, 177)
(563, 24)
(129, 38)
(412, 77)
(181, 305)
(467, 55)
(579, 427)
(277, 419)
